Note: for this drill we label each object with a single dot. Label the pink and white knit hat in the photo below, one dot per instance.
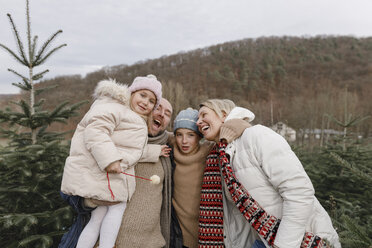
(147, 83)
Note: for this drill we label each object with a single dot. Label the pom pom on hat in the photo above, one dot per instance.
(187, 119)
(149, 82)
(155, 179)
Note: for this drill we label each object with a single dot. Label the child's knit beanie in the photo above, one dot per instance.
(147, 83)
(187, 119)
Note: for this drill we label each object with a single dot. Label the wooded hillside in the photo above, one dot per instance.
(306, 80)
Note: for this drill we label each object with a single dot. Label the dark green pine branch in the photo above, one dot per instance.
(39, 75)
(40, 58)
(12, 54)
(19, 75)
(22, 86)
(19, 42)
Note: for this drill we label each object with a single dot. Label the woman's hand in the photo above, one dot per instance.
(114, 167)
(165, 151)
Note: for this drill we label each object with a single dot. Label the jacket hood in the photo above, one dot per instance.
(111, 88)
(240, 113)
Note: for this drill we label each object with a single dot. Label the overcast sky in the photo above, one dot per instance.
(111, 32)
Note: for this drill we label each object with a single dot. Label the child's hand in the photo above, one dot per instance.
(114, 167)
(165, 151)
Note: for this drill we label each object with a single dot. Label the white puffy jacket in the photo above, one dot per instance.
(108, 132)
(270, 171)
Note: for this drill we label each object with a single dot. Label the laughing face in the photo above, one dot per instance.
(209, 123)
(142, 102)
(160, 118)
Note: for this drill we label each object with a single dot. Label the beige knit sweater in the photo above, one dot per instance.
(146, 219)
(188, 176)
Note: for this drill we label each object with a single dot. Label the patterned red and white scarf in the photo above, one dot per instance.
(211, 206)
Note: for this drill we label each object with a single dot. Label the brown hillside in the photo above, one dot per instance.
(305, 79)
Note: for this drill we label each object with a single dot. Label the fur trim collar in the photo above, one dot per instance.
(111, 88)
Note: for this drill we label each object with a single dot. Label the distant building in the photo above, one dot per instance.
(287, 132)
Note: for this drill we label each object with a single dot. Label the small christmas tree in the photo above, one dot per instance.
(32, 212)
(342, 182)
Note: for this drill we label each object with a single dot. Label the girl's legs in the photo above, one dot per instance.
(89, 235)
(111, 225)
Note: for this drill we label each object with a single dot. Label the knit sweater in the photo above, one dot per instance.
(187, 177)
(146, 220)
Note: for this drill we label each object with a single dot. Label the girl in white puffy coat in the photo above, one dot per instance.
(110, 139)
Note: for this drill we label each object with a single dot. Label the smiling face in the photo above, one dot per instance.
(187, 140)
(209, 123)
(142, 101)
(160, 118)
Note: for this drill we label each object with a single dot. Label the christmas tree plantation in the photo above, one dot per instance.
(32, 214)
(342, 181)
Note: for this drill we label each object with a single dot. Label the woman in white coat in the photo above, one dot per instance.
(264, 164)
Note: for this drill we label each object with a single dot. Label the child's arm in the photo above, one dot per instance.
(152, 152)
(97, 137)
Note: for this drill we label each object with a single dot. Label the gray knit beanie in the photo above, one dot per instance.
(187, 119)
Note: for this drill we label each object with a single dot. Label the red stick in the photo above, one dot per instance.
(108, 182)
(109, 186)
(136, 176)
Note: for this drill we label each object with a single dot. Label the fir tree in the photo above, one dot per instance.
(349, 120)
(351, 234)
(32, 212)
(342, 182)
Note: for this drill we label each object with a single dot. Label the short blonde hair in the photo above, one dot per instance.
(220, 106)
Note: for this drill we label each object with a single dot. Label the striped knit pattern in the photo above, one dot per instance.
(265, 224)
(211, 205)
